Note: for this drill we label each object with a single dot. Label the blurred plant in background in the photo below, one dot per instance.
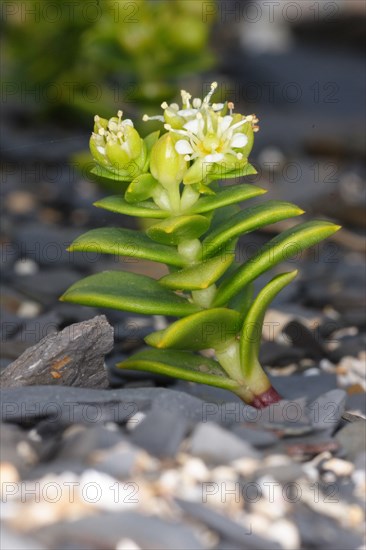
(87, 56)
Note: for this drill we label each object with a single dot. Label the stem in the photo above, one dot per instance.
(174, 199)
(204, 297)
(255, 390)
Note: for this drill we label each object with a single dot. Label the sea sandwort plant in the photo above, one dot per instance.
(178, 180)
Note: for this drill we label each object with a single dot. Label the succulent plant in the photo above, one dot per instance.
(174, 179)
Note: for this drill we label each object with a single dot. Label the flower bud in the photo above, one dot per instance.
(166, 165)
(117, 146)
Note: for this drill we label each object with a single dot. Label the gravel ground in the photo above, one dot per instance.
(131, 460)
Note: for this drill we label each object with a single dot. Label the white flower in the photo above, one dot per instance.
(208, 135)
(211, 137)
(177, 116)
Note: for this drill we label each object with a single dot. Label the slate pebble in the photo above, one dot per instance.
(160, 433)
(219, 446)
(105, 530)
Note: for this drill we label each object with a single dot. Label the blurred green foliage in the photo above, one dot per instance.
(92, 55)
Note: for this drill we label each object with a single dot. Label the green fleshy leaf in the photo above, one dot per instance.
(242, 301)
(210, 328)
(281, 248)
(198, 276)
(230, 194)
(125, 242)
(219, 174)
(251, 333)
(109, 175)
(141, 188)
(245, 221)
(180, 364)
(144, 209)
(128, 292)
(175, 230)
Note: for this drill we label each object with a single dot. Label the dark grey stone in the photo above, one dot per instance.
(37, 328)
(217, 445)
(10, 324)
(296, 385)
(306, 446)
(160, 433)
(105, 530)
(47, 244)
(350, 345)
(288, 417)
(356, 402)
(255, 436)
(72, 357)
(46, 286)
(10, 438)
(186, 406)
(70, 405)
(277, 355)
(321, 532)
(226, 527)
(326, 411)
(118, 462)
(303, 338)
(283, 474)
(352, 438)
(207, 393)
(83, 440)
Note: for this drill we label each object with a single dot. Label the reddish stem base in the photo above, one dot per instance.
(268, 397)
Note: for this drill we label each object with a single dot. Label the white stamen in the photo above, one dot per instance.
(213, 87)
(145, 118)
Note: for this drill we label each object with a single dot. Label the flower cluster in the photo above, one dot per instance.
(117, 146)
(209, 138)
(202, 141)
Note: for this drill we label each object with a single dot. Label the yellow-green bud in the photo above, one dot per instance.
(117, 146)
(166, 165)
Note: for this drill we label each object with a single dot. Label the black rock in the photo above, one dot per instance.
(47, 244)
(349, 345)
(306, 447)
(69, 405)
(80, 441)
(10, 324)
(255, 436)
(352, 438)
(277, 355)
(46, 286)
(119, 462)
(72, 357)
(33, 330)
(219, 446)
(12, 437)
(322, 532)
(326, 411)
(105, 530)
(303, 338)
(189, 407)
(356, 402)
(160, 433)
(296, 385)
(288, 417)
(226, 527)
(283, 474)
